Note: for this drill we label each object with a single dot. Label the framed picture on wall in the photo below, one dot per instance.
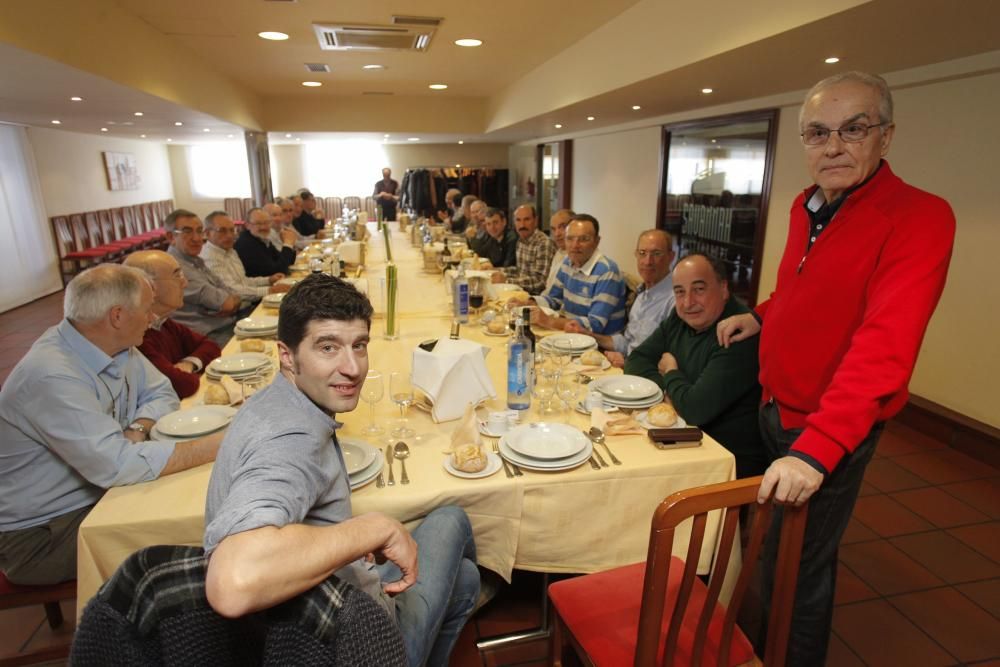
(122, 171)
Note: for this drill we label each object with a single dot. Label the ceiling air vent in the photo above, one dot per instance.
(372, 37)
(317, 67)
(428, 21)
(377, 92)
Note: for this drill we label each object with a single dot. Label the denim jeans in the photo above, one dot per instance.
(432, 612)
(830, 510)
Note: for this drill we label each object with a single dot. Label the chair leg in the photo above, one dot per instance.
(53, 612)
(556, 643)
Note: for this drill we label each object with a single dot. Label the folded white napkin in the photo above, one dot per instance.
(351, 252)
(453, 376)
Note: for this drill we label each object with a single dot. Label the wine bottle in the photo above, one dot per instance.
(461, 296)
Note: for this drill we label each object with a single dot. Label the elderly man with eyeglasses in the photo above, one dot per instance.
(654, 253)
(863, 269)
(259, 257)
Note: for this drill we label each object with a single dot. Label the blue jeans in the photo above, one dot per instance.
(830, 510)
(432, 612)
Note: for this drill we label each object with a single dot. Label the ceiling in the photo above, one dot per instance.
(557, 62)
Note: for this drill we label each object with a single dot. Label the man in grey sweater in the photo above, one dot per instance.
(278, 514)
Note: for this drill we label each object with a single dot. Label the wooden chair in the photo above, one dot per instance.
(353, 203)
(13, 596)
(71, 260)
(622, 616)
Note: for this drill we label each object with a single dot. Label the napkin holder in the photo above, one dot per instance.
(453, 375)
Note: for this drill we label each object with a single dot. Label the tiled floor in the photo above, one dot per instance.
(919, 580)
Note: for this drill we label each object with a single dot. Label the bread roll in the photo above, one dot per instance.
(592, 358)
(497, 325)
(252, 345)
(518, 294)
(469, 458)
(622, 426)
(216, 394)
(662, 415)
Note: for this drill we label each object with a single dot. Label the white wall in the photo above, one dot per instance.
(71, 171)
(181, 178)
(942, 144)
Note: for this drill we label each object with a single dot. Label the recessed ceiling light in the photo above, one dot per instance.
(142, 136)
(76, 99)
(373, 67)
(558, 126)
(715, 141)
(229, 136)
(636, 107)
(178, 123)
(169, 139)
(831, 60)
(272, 35)
(468, 41)
(385, 136)
(104, 129)
(137, 113)
(706, 91)
(590, 118)
(128, 122)
(458, 166)
(288, 136)
(438, 86)
(311, 84)
(298, 139)
(460, 142)
(57, 122)
(413, 139)
(206, 130)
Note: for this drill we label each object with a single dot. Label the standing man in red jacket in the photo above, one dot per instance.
(862, 272)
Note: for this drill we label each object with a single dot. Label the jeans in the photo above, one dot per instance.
(830, 510)
(432, 612)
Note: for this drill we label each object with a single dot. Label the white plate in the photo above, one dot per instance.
(358, 455)
(258, 323)
(577, 366)
(242, 362)
(626, 387)
(582, 409)
(303, 267)
(643, 422)
(493, 465)
(547, 466)
(367, 475)
(195, 421)
(287, 281)
(505, 333)
(546, 441)
(636, 405)
(569, 342)
(273, 299)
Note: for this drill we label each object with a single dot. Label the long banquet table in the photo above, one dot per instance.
(582, 520)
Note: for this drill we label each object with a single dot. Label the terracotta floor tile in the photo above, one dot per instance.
(887, 517)
(983, 537)
(883, 637)
(838, 654)
(867, 490)
(45, 636)
(850, 588)
(983, 494)
(952, 620)
(887, 569)
(944, 466)
(519, 654)
(858, 532)
(984, 593)
(901, 439)
(938, 507)
(17, 626)
(947, 557)
(885, 475)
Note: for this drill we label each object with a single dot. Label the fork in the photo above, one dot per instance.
(506, 468)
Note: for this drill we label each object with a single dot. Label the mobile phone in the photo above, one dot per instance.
(687, 434)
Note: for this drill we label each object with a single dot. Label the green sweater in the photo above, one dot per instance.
(714, 388)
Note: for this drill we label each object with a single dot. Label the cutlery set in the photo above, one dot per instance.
(401, 452)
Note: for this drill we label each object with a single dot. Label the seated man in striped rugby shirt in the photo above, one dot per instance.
(589, 288)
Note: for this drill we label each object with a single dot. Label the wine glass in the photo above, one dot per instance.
(568, 389)
(476, 294)
(401, 393)
(250, 384)
(371, 393)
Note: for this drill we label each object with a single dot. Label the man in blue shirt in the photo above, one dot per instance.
(75, 417)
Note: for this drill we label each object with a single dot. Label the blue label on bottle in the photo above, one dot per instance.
(518, 383)
(462, 302)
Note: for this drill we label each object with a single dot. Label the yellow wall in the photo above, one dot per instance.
(73, 179)
(943, 144)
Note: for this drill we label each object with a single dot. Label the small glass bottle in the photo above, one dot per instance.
(519, 362)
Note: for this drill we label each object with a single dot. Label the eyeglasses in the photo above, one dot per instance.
(851, 133)
(579, 239)
(188, 231)
(655, 254)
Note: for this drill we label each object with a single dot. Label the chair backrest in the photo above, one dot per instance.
(107, 226)
(94, 232)
(80, 236)
(696, 504)
(63, 234)
(353, 203)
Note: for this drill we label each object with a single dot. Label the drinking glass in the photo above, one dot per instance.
(371, 393)
(401, 393)
(476, 297)
(568, 388)
(250, 385)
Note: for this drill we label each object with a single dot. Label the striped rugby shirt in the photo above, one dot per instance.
(593, 294)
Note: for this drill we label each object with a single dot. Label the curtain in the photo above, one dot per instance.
(28, 252)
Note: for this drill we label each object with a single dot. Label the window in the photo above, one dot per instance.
(219, 171)
(347, 168)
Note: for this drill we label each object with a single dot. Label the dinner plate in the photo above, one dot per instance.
(546, 441)
(643, 422)
(547, 466)
(367, 475)
(505, 333)
(242, 362)
(493, 465)
(258, 323)
(287, 281)
(302, 267)
(577, 366)
(635, 405)
(242, 333)
(273, 299)
(569, 342)
(582, 409)
(195, 421)
(626, 387)
(358, 454)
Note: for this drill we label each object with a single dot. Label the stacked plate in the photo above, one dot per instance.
(628, 391)
(257, 325)
(546, 447)
(571, 343)
(273, 300)
(363, 462)
(192, 422)
(239, 366)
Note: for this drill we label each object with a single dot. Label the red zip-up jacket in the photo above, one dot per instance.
(842, 329)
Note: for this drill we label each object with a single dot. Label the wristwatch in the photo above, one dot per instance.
(136, 426)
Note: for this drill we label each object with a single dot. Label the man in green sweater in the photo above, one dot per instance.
(710, 386)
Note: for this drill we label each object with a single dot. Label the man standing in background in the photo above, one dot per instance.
(387, 194)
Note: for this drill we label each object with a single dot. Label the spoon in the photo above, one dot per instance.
(401, 451)
(597, 435)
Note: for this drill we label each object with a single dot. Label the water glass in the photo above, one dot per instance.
(401, 393)
(371, 393)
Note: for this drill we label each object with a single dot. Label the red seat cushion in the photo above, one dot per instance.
(602, 610)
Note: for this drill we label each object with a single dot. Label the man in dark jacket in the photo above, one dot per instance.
(259, 257)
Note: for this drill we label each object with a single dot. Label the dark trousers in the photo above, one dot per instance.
(830, 510)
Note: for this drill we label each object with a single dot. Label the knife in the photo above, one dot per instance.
(388, 461)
